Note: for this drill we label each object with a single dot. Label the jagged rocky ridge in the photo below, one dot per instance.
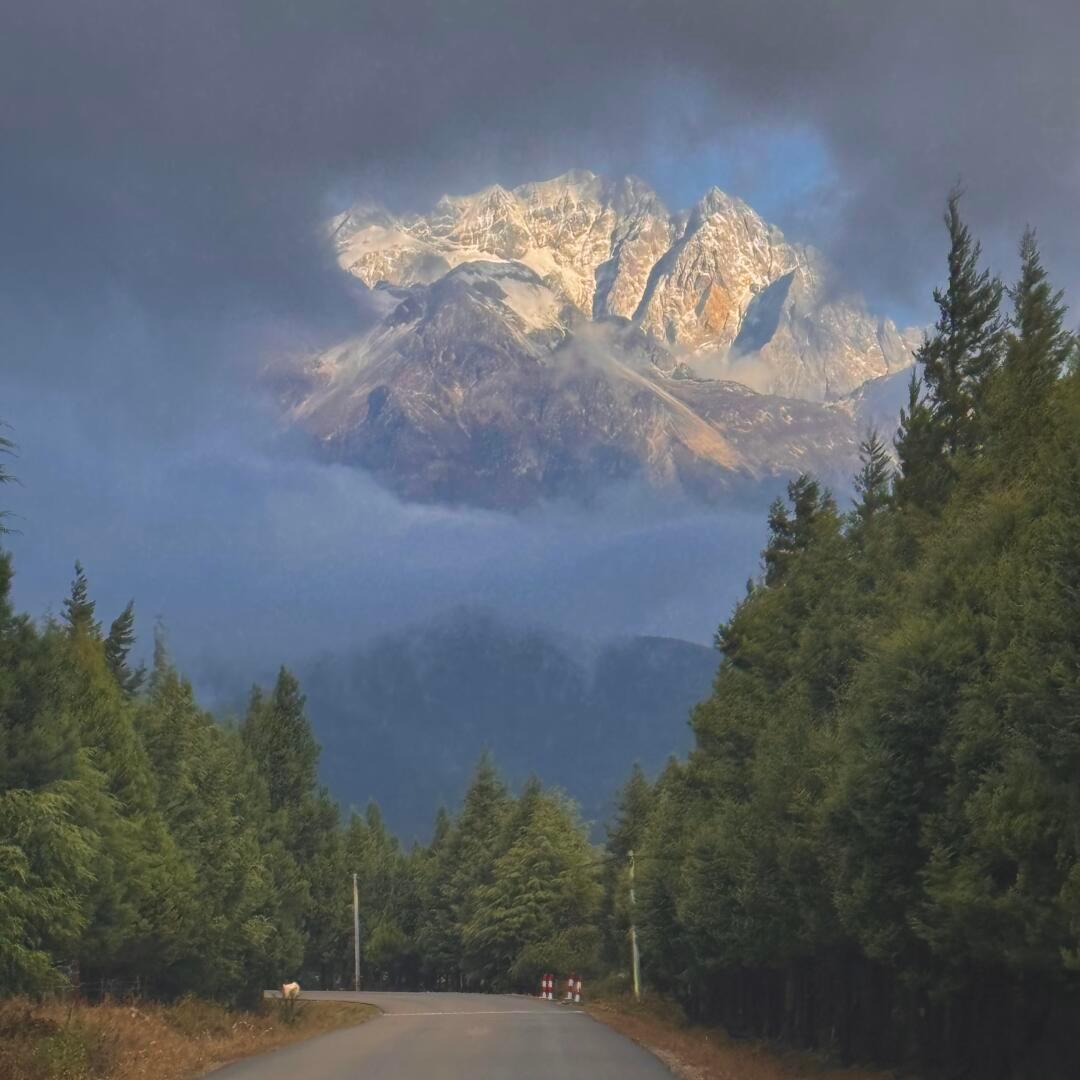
(546, 341)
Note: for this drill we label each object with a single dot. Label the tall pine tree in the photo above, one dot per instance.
(118, 644)
(79, 608)
(957, 362)
(1038, 349)
(278, 737)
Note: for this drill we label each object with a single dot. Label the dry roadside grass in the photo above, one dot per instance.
(116, 1041)
(697, 1053)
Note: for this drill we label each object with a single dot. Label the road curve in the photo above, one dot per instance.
(457, 1037)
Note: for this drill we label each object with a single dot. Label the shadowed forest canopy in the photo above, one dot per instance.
(873, 846)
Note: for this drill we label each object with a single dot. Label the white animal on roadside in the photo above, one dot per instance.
(290, 990)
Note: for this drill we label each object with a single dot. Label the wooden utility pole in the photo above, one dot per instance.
(635, 957)
(355, 934)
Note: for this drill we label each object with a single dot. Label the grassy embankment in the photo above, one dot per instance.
(115, 1041)
(702, 1053)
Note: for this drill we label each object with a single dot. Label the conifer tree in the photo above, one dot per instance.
(79, 608)
(137, 918)
(230, 948)
(625, 833)
(320, 850)
(1004, 862)
(118, 644)
(46, 869)
(440, 831)
(437, 934)
(923, 476)
(536, 910)
(463, 862)
(790, 531)
(278, 736)
(873, 481)
(964, 350)
(48, 847)
(631, 814)
(39, 744)
(7, 447)
(666, 957)
(1037, 351)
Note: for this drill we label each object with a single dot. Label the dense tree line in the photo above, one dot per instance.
(146, 847)
(875, 844)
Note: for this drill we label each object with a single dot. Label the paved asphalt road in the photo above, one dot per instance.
(459, 1037)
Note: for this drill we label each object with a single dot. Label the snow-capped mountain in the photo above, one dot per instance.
(550, 340)
(716, 282)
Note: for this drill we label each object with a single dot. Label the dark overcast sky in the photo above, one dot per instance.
(165, 164)
(183, 150)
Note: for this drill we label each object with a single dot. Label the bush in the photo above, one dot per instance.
(19, 1019)
(198, 1019)
(284, 1010)
(75, 1052)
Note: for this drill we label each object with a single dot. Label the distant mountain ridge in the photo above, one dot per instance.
(551, 340)
(404, 720)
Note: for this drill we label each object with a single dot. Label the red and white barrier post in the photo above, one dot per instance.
(569, 989)
(577, 992)
(547, 987)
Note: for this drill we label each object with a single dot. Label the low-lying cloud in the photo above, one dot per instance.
(254, 553)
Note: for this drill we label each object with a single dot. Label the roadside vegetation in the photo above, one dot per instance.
(696, 1052)
(138, 1039)
(872, 852)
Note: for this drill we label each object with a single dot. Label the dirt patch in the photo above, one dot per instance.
(698, 1053)
(115, 1041)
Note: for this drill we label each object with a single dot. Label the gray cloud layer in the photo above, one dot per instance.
(190, 147)
(165, 167)
(254, 554)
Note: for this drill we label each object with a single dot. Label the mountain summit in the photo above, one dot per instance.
(715, 281)
(550, 339)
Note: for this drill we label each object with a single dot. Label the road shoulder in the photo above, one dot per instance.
(117, 1040)
(698, 1053)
